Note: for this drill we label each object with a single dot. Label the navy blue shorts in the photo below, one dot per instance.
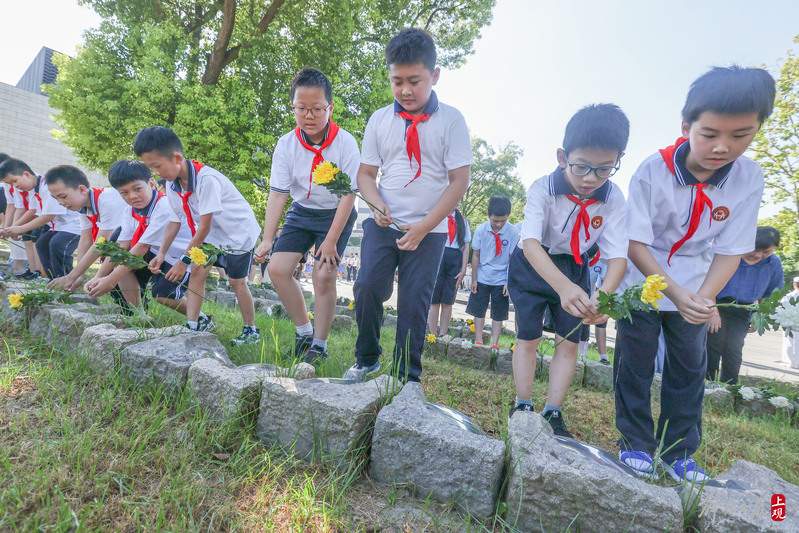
(532, 296)
(305, 228)
(236, 266)
(478, 302)
(446, 288)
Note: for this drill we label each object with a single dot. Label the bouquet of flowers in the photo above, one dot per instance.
(18, 301)
(118, 255)
(331, 177)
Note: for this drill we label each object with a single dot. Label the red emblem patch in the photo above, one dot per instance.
(777, 507)
(720, 213)
(596, 222)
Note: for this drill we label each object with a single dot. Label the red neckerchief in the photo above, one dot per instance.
(41, 206)
(95, 194)
(452, 228)
(497, 243)
(412, 140)
(582, 220)
(142, 221)
(25, 203)
(318, 157)
(700, 199)
(185, 197)
(10, 189)
(595, 260)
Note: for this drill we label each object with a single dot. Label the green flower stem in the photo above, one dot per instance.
(370, 204)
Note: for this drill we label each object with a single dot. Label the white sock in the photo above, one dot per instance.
(305, 330)
(192, 324)
(321, 343)
(582, 348)
(603, 357)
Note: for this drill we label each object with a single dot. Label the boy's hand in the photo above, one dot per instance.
(714, 324)
(692, 307)
(177, 272)
(600, 318)
(155, 264)
(459, 278)
(74, 281)
(13, 231)
(474, 285)
(97, 287)
(58, 284)
(576, 302)
(328, 255)
(414, 233)
(382, 219)
(505, 290)
(262, 252)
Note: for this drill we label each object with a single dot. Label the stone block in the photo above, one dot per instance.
(61, 325)
(224, 298)
(463, 352)
(739, 501)
(167, 360)
(598, 376)
(268, 307)
(226, 392)
(389, 321)
(777, 406)
(720, 400)
(328, 419)
(554, 487)
(455, 331)
(103, 342)
(435, 456)
(341, 322)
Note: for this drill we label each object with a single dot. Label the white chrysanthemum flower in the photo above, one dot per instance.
(466, 343)
(749, 393)
(787, 316)
(780, 402)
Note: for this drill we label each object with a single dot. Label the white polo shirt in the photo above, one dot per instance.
(65, 220)
(444, 144)
(23, 199)
(233, 224)
(108, 204)
(493, 269)
(549, 217)
(157, 215)
(659, 211)
(292, 162)
(467, 234)
(7, 191)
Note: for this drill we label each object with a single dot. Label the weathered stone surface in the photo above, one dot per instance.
(64, 325)
(103, 342)
(504, 362)
(765, 407)
(598, 376)
(18, 318)
(542, 371)
(341, 322)
(413, 445)
(727, 510)
(325, 418)
(389, 321)
(463, 352)
(167, 360)
(268, 307)
(224, 298)
(226, 392)
(455, 330)
(439, 348)
(720, 400)
(555, 488)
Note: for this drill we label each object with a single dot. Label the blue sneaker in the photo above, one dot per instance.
(643, 463)
(358, 372)
(687, 471)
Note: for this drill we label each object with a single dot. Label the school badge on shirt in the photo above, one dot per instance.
(720, 213)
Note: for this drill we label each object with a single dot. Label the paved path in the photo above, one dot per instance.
(761, 355)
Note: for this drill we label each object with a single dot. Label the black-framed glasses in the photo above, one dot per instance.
(579, 169)
(315, 111)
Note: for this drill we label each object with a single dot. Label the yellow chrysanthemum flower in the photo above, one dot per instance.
(471, 328)
(14, 300)
(310, 315)
(651, 292)
(469, 321)
(325, 172)
(198, 257)
(100, 240)
(351, 306)
(431, 338)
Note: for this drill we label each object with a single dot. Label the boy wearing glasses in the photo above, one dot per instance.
(693, 213)
(317, 218)
(566, 213)
(423, 153)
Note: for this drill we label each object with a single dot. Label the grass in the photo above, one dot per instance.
(83, 452)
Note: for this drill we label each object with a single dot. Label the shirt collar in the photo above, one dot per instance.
(85, 210)
(430, 108)
(148, 210)
(685, 177)
(307, 140)
(192, 179)
(39, 180)
(559, 186)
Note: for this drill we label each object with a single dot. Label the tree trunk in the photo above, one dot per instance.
(216, 61)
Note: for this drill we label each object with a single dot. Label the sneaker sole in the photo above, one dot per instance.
(648, 473)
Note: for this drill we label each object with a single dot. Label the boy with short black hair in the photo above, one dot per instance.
(416, 194)
(492, 245)
(450, 273)
(216, 213)
(317, 218)
(24, 212)
(143, 226)
(56, 229)
(692, 214)
(17, 249)
(566, 213)
(100, 211)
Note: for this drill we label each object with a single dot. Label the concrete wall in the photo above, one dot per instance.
(25, 133)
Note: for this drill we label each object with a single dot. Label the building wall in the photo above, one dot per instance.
(25, 133)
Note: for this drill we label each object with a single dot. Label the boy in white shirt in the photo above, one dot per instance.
(450, 273)
(317, 219)
(215, 212)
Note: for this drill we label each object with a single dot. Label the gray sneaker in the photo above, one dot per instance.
(206, 323)
(359, 373)
(248, 336)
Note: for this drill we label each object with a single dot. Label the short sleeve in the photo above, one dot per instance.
(467, 234)
(613, 242)
(477, 240)
(129, 225)
(370, 150)
(514, 239)
(458, 149)
(639, 209)
(84, 222)
(739, 232)
(209, 195)
(154, 234)
(281, 174)
(351, 160)
(535, 211)
(9, 196)
(175, 213)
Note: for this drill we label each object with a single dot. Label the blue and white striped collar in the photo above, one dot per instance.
(559, 186)
(192, 179)
(149, 208)
(685, 177)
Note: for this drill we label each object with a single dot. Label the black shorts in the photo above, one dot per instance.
(236, 266)
(34, 234)
(446, 289)
(160, 286)
(532, 296)
(478, 302)
(305, 228)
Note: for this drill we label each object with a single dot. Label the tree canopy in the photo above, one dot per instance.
(218, 71)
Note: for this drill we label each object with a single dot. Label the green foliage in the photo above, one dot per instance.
(119, 256)
(493, 174)
(37, 298)
(218, 72)
(255, 196)
(618, 306)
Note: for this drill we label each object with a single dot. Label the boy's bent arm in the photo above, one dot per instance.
(475, 268)
(327, 250)
(721, 270)
(693, 307)
(367, 186)
(617, 266)
(446, 204)
(274, 210)
(32, 225)
(573, 299)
